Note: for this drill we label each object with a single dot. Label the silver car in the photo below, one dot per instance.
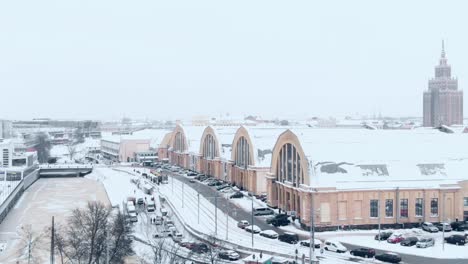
(425, 242)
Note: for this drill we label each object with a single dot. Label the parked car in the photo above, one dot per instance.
(186, 244)
(409, 241)
(395, 238)
(253, 229)
(389, 257)
(263, 211)
(229, 255)
(289, 237)
(215, 183)
(306, 243)
(177, 236)
(445, 226)
(425, 242)
(236, 195)
(133, 217)
(162, 233)
(222, 187)
(335, 246)
(199, 248)
(269, 234)
(363, 252)
(456, 240)
(429, 227)
(140, 201)
(278, 220)
(383, 235)
(458, 226)
(192, 181)
(242, 224)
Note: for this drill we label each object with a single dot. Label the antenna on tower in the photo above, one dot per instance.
(443, 49)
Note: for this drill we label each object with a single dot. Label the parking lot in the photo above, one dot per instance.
(44, 199)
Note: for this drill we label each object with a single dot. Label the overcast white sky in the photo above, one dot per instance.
(176, 59)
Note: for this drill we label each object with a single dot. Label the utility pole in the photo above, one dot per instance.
(252, 222)
(52, 242)
(198, 198)
(312, 256)
(227, 220)
(216, 214)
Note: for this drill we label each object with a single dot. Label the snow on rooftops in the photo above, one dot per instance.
(263, 140)
(193, 136)
(360, 158)
(225, 136)
(154, 135)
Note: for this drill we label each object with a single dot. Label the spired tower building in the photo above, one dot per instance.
(442, 102)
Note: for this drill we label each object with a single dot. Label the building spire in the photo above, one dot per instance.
(443, 49)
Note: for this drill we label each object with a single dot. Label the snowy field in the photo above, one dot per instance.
(63, 154)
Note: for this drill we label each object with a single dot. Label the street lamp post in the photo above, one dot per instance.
(252, 223)
(198, 198)
(227, 220)
(182, 195)
(216, 214)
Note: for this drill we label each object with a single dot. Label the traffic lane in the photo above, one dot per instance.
(412, 259)
(225, 204)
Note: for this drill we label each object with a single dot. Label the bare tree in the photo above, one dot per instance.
(214, 246)
(29, 240)
(43, 147)
(71, 150)
(94, 235)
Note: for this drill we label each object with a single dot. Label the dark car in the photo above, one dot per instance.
(191, 173)
(288, 237)
(228, 255)
(215, 183)
(409, 241)
(140, 201)
(199, 248)
(278, 220)
(383, 235)
(237, 195)
(222, 187)
(363, 252)
(456, 240)
(458, 226)
(389, 257)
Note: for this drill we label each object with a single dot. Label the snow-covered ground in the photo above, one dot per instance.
(437, 251)
(63, 154)
(184, 201)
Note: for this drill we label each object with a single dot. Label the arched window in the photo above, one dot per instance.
(179, 145)
(243, 153)
(209, 147)
(288, 166)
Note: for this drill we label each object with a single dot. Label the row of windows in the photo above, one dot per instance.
(289, 165)
(243, 153)
(209, 147)
(418, 207)
(179, 144)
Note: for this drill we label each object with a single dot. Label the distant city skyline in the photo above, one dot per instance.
(174, 60)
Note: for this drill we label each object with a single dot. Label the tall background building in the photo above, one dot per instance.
(443, 102)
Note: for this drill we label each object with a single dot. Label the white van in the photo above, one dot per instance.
(151, 206)
(177, 237)
(133, 217)
(263, 211)
(131, 209)
(335, 246)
